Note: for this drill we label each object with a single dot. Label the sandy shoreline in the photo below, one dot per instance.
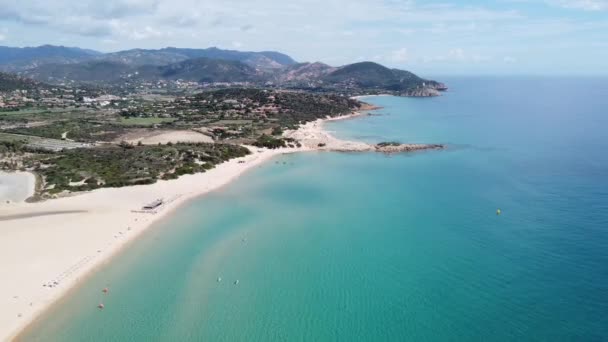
(37, 245)
(312, 135)
(62, 240)
(46, 248)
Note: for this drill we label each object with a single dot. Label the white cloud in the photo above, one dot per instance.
(333, 31)
(458, 55)
(2, 37)
(406, 31)
(587, 5)
(399, 56)
(92, 17)
(509, 59)
(145, 33)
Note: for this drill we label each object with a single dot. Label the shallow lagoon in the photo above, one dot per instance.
(16, 186)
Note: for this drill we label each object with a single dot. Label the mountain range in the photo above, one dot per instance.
(16, 59)
(62, 65)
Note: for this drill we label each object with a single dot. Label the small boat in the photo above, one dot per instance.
(236, 282)
(498, 212)
(101, 306)
(219, 279)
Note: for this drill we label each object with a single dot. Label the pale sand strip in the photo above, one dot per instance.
(62, 240)
(164, 137)
(312, 136)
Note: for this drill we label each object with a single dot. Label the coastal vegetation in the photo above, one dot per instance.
(145, 121)
(78, 149)
(241, 115)
(116, 166)
(274, 143)
(79, 130)
(237, 115)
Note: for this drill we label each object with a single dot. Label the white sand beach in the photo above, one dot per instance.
(47, 247)
(312, 135)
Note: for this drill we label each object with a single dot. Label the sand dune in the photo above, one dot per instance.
(164, 137)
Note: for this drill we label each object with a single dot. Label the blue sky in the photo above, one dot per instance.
(429, 37)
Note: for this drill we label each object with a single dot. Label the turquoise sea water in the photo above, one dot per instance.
(368, 247)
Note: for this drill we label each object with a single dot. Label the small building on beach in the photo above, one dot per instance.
(153, 205)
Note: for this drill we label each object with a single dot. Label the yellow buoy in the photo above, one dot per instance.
(498, 211)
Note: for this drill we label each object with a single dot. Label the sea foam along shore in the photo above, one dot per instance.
(58, 242)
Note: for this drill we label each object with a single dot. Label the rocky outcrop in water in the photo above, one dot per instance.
(399, 148)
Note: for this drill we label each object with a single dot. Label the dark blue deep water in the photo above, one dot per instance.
(368, 247)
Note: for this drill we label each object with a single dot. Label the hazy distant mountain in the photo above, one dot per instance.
(20, 59)
(14, 59)
(57, 65)
(210, 70)
(196, 70)
(260, 60)
(139, 57)
(83, 72)
(10, 82)
(278, 57)
(303, 73)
